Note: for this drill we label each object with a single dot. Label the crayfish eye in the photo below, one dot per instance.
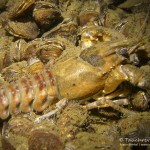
(123, 51)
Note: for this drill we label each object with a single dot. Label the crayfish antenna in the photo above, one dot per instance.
(143, 27)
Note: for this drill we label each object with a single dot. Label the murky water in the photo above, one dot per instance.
(83, 42)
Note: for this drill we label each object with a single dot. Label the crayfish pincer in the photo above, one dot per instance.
(97, 70)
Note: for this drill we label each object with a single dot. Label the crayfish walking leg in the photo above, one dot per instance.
(59, 106)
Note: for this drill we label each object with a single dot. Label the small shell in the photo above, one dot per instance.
(41, 139)
(87, 16)
(141, 101)
(20, 132)
(15, 71)
(67, 29)
(50, 50)
(46, 14)
(25, 30)
(18, 125)
(18, 7)
(16, 52)
(30, 50)
(15, 133)
(45, 49)
(92, 11)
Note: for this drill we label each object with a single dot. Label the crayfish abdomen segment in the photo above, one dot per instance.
(27, 94)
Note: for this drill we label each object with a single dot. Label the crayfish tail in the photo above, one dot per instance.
(27, 94)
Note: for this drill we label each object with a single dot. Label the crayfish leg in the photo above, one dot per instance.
(123, 91)
(58, 107)
(103, 103)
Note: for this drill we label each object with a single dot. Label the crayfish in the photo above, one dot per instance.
(95, 72)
